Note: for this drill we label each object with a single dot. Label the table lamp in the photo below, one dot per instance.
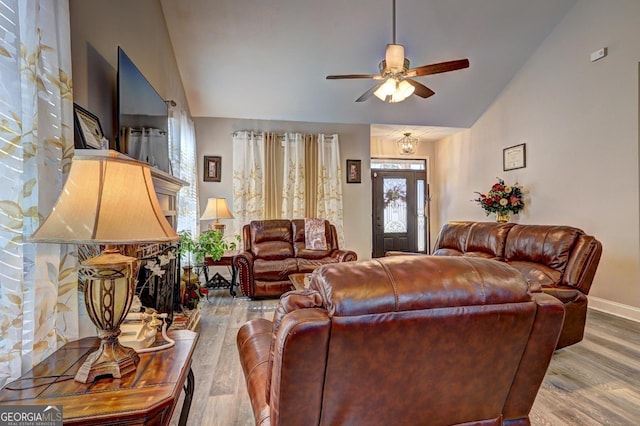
(107, 199)
(216, 209)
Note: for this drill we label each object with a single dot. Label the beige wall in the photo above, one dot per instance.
(580, 122)
(214, 136)
(98, 27)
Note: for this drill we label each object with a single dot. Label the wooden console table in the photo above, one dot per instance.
(147, 396)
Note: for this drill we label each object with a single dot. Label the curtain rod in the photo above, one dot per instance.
(281, 134)
(144, 129)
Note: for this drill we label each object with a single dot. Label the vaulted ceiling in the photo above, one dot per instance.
(268, 59)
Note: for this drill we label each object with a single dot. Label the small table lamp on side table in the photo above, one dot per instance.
(216, 209)
(107, 199)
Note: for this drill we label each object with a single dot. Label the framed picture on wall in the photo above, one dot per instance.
(354, 171)
(212, 171)
(87, 129)
(514, 157)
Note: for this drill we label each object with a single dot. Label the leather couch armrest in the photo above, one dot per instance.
(535, 360)
(299, 366)
(583, 263)
(289, 302)
(253, 341)
(243, 264)
(344, 255)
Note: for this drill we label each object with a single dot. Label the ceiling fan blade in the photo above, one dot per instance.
(338, 77)
(421, 90)
(366, 95)
(438, 68)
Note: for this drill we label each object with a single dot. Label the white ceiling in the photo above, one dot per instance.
(268, 59)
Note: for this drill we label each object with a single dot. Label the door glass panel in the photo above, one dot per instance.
(397, 164)
(395, 205)
(420, 214)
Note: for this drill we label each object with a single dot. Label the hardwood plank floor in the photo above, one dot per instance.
(595, 382)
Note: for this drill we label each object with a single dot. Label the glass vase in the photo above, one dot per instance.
(502, 217)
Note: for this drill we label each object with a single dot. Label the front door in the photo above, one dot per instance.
(398, 211)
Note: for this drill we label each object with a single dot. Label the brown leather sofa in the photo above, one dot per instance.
(561, 260)
(275, 249)
(401, 340)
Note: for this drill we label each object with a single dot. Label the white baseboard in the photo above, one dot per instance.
(614, 308)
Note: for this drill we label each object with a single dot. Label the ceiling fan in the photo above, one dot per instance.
(396, 83)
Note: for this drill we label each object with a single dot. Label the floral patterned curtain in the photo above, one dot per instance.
(329, 194)
(248, 178)
(38, 283)
(310, 186)
(293, 191)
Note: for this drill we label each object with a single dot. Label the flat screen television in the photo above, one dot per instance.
(143, 121)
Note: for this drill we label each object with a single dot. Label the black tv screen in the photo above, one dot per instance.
(142, 117)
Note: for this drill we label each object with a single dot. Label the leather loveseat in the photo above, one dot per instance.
(560, 260)
(401, 340)
(275, 249)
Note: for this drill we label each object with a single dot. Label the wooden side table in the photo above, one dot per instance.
(147, 396)
(217, 280)
(300, 281)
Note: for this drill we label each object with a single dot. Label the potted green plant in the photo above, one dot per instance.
(209, 243)
(213, 243)
(187, 245)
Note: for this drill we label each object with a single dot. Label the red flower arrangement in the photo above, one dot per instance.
(501, 199)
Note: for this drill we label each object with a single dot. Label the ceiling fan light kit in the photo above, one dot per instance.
(396, 75)
(393, 91)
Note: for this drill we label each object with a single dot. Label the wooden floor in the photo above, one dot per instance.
(595, 382)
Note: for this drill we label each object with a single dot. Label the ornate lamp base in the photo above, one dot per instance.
(217, 226)
(111, 359)
(110, 280)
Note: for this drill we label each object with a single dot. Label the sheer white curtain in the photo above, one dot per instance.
(248, 178)
(182, 152)
(310, 186)
(329, 194)
(294, 173)
(146, 144)
(38, 283)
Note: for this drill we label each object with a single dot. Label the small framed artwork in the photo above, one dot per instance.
(87, 130)
(514, 157)
(212, 168)
(354, 171)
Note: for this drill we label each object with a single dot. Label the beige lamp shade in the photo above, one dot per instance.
(388, 88)
(109, 199)
(217, 208)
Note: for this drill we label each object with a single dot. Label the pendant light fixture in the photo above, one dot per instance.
(407, 145)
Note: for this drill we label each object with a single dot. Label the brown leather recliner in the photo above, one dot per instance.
(559, 260)
(275, 249)
(402, 340)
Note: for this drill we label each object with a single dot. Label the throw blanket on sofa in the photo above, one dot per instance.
(314, 234)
